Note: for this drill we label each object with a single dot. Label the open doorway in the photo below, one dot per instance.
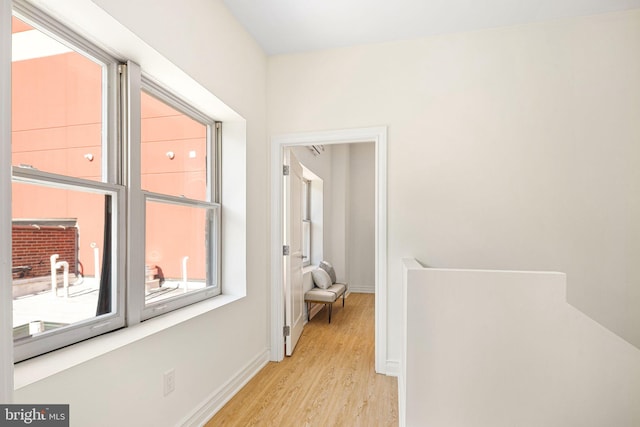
(376, 137)
(336, 194)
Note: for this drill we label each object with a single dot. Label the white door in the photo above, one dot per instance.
(294, 298)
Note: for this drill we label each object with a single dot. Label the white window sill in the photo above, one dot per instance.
(41, 367)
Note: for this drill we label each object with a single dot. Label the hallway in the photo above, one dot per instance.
(329, 380)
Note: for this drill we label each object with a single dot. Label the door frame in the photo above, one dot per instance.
(377, 135)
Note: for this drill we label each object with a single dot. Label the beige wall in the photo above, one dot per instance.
(361, 221)
(512, 148)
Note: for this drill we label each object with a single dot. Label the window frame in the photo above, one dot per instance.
(100, 324)
(111, 152)
(306, 222)
(122, 83)
(109, 185)
(213, 287)
(213, 128)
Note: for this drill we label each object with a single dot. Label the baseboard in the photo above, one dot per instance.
(216, 400)
(393, 368)
(359, 289)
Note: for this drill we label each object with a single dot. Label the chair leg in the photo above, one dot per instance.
(308, 311)
(343, 294)
(330, 310)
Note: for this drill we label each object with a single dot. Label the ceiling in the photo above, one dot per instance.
(287, 26)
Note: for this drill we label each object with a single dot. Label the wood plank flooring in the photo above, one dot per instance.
(329, 381)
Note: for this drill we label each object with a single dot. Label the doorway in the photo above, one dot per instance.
(378, 136)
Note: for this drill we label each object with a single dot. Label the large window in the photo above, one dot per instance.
(75, 213)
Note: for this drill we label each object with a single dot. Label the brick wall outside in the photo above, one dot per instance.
(33, 247)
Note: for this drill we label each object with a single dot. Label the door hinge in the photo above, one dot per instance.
(285, 170)
(122, 68)
(286, 331)
(285, 250)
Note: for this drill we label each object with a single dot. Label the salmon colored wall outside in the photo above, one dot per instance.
(173, 232)
(57, 120)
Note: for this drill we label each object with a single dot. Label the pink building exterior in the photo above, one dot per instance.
(57, 128)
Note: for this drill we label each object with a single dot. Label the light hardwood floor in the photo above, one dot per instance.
(329, 381)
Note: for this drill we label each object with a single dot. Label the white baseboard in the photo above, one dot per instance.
(362, 289)
(393, 368)
(216, 400)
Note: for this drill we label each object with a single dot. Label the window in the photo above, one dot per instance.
(76, 213)
(178, 157)
(306, 222)
(66, 210)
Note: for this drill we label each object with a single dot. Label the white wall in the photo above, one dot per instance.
(513, 148)
(361, 222)
(211, 351)
(489, 348)
(340, 211)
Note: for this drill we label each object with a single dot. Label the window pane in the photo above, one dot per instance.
(56, 233)
(174, 151)
(56, 106)
(306, 187)
(306, 242)
(178, 249)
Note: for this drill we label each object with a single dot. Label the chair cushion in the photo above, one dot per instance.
(321, 278)
(338, 289)
(325, 295)
(326, 266)
(319, 295)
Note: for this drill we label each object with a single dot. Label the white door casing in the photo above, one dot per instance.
(294, 298)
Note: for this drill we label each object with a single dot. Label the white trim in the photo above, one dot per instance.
(216, 400)
(393, 368)
(6, 298)
(378, 135)
(360, 289)
(131, 99)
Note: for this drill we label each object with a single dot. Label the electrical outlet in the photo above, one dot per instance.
(169, 378)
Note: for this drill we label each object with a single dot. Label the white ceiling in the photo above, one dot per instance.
(286, 26)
